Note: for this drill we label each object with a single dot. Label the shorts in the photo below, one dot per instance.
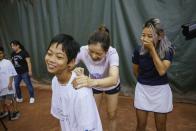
(109, 92)
(7, 97)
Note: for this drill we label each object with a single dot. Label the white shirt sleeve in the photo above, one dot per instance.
(114, 58)
(87, 115)
(79, 56)
(11, 70)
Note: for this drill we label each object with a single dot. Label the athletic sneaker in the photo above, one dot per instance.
(14, 115)
(3, 114)
(19, 100)
(32, 100)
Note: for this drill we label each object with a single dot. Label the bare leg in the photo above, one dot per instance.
(141, 119)
(98, 99)
(8, 104)
(2, 105)
(112, 104)
(160, 121)
(15, 107)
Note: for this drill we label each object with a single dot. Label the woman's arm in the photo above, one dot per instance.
(29, 65)
(136, 70)
(111, 80)
(161, 65)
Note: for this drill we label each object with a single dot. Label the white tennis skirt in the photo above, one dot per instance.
(153, 98)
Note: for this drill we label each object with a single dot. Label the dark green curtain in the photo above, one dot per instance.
(35, 22)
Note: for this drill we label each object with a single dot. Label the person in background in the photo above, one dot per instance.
(7, 89)
(151, 62)
(22, 63)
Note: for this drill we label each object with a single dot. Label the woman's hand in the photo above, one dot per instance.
(30, 73)
(79, 71)
(148, 44)
(83, 81)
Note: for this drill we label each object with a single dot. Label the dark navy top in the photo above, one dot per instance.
(148, 75)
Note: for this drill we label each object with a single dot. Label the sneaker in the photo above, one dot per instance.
(3, 114)
(32, 100)
(19, 100)
(14, 115)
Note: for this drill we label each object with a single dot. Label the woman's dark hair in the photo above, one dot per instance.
(103, 28)
(101, 36)
(69, 45)
(16, 42)
(156, 23)
(1, 49)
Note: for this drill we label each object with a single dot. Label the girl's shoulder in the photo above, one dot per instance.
(112, 50)
(6, 61)
(84, 48)
(137, 50)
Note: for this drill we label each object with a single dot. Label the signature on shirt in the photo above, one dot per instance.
(96, 76)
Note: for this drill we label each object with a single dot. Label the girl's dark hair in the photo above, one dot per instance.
(101, 36)
(69, 45)
(103, 28)
(156, 23)
(16, 42)
(1, 49)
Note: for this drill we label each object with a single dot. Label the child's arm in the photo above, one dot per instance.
(12, 73)
(10, 83)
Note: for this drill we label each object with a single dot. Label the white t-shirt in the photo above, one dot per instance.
(99, 69)
(76, 109)
(6, 71)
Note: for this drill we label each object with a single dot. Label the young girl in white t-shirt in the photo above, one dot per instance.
(7, 88)
(102, 62)
(75, 109)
